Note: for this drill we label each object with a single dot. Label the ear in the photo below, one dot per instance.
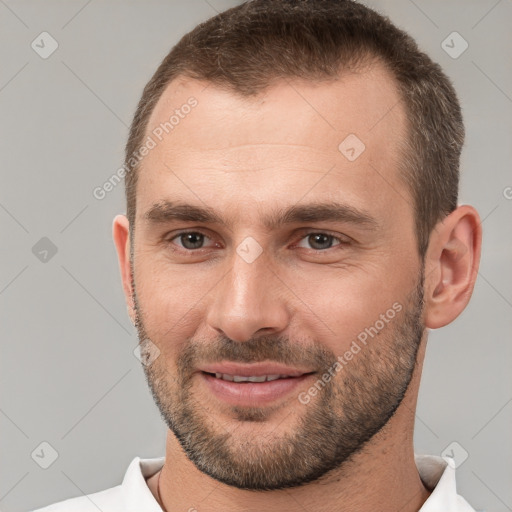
(451, 266)
(121, 236)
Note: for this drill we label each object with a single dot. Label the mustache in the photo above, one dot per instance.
(276, 349)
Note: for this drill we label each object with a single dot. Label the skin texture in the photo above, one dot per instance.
(298, 301)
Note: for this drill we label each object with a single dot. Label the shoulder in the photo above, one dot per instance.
(133, 495)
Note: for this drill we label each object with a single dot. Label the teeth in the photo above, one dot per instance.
(262, 378)
(238, 378)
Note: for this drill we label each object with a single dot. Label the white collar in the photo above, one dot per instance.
(437, 473)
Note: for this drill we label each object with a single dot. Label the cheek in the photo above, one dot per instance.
(340, 306)
(170, 298)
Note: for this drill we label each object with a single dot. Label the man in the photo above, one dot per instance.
(292, 232)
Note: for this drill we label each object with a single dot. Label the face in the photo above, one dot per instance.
(269, 272)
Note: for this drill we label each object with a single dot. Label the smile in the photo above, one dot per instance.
(239, 378)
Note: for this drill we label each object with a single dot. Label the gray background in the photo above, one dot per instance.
(68, 373)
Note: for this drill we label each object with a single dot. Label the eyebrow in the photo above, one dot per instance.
(167, 211)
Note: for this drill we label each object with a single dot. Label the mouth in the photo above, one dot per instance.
(247, 370)
(252, 378)
(253, 390)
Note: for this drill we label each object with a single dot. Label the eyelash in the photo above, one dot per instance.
(342, 241)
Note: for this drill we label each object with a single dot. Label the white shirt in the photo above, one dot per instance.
(133, 495)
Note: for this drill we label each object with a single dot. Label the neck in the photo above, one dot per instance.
(382, 476)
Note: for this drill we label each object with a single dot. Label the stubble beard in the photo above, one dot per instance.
(342, 418)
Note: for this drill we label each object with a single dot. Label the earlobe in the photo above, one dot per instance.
(452, 262)
(121, 236)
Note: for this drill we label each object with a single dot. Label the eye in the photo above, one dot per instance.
(321, 241)
(317, 241)
(190, 240)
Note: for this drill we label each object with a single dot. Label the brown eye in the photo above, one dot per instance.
(320, 241)
(190, 240)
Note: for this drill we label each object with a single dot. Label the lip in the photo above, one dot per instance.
(253, 369)
(252, 393)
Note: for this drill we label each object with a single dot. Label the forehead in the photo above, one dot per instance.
(297, 137)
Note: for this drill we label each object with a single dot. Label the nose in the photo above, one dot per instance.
(250, 299)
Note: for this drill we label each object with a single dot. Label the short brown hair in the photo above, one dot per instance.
(246, 48)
